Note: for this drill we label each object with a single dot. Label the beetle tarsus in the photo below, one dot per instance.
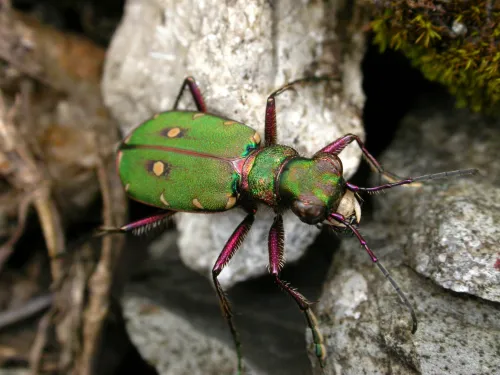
(401, 295)
(104, 231)
(139, 227)
(319, 346)
(374, 259)
(195, 93)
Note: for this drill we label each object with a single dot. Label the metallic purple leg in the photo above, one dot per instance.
(276, 262)
(195, 92)
(338, 145)
(225, 256)
(341, 219)
(270, 132)
(140, 226)
(271, 129)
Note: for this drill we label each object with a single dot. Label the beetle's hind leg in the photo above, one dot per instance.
(232, 244)
(195, 92)
(276, 262)
(140, 226)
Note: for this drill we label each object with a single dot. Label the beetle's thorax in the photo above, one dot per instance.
(261, 171)
(312, 188)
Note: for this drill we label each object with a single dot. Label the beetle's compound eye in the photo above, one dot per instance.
(309, 211)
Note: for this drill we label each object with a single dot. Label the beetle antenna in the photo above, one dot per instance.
(341, 219)
(410, 180)
(436, 176)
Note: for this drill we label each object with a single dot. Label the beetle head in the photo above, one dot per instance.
(314, 188)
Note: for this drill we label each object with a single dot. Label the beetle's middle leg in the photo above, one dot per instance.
(195, 92)
(232, 244)
(270, 128)
(276, 262)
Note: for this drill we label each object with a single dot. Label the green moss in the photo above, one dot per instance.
(454, 43)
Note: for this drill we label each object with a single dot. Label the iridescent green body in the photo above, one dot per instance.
(263, 169)
(193, 161)
(186, 161)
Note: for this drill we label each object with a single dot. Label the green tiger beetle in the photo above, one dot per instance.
(192, 161)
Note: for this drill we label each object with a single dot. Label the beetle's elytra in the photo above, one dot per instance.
(196, 162)
(158, 160)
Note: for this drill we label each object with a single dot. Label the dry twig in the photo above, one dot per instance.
(100, 284)
(27, 177)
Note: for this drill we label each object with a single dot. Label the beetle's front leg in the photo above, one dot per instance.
(276, 262)
(341, 219)
(225, 256)
(338, 145)
(195, 92)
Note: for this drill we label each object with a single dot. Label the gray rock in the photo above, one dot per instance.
(171, 344)
(240, 51)
(440, 241)
(367, 330)
(455, 238)
(453, 225)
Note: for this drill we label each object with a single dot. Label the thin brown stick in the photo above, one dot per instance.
(101, 280)
(39, 342)
(50, 221)
(24, 174)
(27, 175)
